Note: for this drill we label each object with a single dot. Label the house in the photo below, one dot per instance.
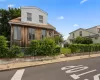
(93, 33)
(32, 25)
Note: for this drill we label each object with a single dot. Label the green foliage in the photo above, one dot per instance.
(66, 45)
(65, 50)
(33, 48)
(3, 47)
(57, 50)
(45, 47)
(58, 39)
(83, 40)
(14, 51)
(20, 55)
(78, 48)
(7, 15)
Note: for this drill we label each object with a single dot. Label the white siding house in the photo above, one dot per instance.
(93, 33)
(33, 13)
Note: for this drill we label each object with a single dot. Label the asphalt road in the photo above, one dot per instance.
(85, 69)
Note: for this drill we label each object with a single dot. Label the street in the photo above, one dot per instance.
(85, 69)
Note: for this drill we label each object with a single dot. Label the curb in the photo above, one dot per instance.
(55, 61)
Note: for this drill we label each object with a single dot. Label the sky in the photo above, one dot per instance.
(65, 15)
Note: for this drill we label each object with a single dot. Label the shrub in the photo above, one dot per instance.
(84, 47)
(45, 47)
(33, 48)
(14, 51)
(65, 51)
(20, 55)
(66, 45)
(83, 40)
(3, 47)
(57, 50)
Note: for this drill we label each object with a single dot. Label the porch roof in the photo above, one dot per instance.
(17, 21)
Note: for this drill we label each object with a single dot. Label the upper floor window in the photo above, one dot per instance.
(17, 33)
(98, 30)
(43, 34)
(80, 33)
(73, 35)
(29, 16)
(31, 33)
(40, 19)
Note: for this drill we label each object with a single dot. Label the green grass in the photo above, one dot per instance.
(65, 51)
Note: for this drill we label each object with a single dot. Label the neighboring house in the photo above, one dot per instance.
(93, 33)
(32, 25)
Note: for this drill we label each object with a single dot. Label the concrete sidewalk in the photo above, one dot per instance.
(37, 63)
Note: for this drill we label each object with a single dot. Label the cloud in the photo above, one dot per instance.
(60, 18)
(83, 1)
(2, 0)
(75, 25)
(11, 5)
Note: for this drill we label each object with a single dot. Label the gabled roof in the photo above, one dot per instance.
(82, 29)
(17, 21)
(33, 7)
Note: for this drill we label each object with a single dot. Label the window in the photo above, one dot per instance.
(98, 30)
(17, 33)
(73, 35)
(31, 33)
(50, 33)
(40, 19)
(80, 33)
(29, 16)
(43, 34)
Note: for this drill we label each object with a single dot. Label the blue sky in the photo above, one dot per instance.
(65, 15)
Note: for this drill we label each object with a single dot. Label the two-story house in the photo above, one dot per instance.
(33, 24)
(93, 33)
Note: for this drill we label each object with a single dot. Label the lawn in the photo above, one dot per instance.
(65, 51)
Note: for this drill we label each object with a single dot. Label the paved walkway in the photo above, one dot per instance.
(28, 64)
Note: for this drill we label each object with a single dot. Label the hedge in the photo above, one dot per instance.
(78, 48)
(45, 47)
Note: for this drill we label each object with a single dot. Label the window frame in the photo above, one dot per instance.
(73, 35)
(40, 18)
(80, 33)
(43, 36)
(18, 37)
(32, 32)
(98, 29)
(29, 16)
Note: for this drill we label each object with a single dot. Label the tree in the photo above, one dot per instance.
(83, 40)
(3, 47)
(58, 39)
(5, 16)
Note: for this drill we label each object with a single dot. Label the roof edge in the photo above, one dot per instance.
(31, 7)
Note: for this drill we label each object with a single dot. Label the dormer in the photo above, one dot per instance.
(33, 15)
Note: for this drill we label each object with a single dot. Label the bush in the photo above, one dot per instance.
(3, 47)
(65, 51)
(57, 50)
(78, 48)
(20, 55)
(83, 40)
(14, 51)
(66, 45)
(45, 47)
(33, 48)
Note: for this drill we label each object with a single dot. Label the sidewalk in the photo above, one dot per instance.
(37, 63)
